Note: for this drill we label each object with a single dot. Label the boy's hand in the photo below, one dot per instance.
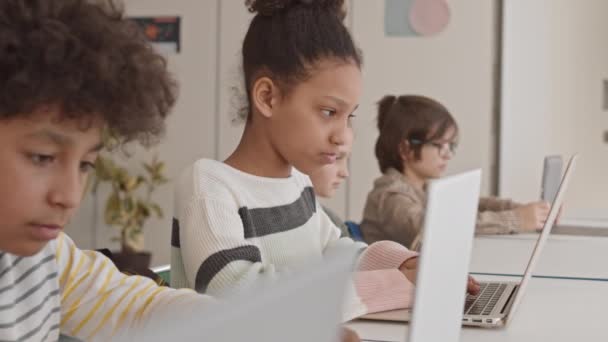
(347, 335)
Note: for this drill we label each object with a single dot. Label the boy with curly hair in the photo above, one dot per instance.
(70, 69)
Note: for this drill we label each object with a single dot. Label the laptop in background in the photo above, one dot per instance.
(552, 177)
(518, 293)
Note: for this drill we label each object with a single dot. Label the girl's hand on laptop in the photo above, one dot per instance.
(532, 215)
(409, 268)
(473, 286)
(347, 335)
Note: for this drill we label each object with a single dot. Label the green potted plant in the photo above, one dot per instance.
(128, 206)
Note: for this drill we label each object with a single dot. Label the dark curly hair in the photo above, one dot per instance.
(86, 58)
(407, 118)
(287, 37)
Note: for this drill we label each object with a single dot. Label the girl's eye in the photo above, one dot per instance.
(328, 112)
(41, 159)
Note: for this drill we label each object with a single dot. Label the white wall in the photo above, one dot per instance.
(455, 67)
(234, 21)
(555, 58)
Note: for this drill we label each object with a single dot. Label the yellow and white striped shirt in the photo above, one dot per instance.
(63, 289)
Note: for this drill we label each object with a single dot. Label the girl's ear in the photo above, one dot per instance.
(404, 150)
(264, 96)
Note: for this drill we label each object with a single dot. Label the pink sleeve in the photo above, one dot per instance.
(384, 255)
(379, 283)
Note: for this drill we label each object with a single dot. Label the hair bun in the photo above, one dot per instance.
(270, 8)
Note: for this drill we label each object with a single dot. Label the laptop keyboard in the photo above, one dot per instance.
(483, 303)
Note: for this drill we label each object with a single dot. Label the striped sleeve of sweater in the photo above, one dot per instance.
(232, 229)
(81, 294)
(99, 302)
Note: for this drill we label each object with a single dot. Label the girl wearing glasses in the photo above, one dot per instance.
(418, 137)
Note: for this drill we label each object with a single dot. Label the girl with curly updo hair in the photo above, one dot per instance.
(255, 215)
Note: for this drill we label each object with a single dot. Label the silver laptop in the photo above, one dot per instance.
(552, 176)
(449, 226)
(497, 302)
(302, 307)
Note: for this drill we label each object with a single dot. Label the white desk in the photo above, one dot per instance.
(563, 255)
(553, 310)
(597, 219)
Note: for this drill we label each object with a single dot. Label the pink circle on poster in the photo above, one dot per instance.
(429, 17)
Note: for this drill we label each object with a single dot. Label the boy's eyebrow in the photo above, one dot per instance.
(56, 138)
(61, 139)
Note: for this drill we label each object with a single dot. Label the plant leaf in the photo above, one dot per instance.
(157, 210)
(112, 208)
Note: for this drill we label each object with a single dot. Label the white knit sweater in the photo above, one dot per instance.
(231, 228)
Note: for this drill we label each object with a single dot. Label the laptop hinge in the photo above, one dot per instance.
(509, 301)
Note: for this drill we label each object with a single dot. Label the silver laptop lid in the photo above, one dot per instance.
(449, 225)
(543, 236)
(304, 306)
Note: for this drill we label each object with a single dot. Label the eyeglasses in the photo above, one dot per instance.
(442, 147)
